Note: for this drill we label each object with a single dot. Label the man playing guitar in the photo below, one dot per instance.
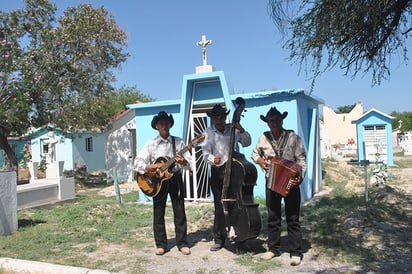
(166, 145)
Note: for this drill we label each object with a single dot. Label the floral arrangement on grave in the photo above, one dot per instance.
(81, 167)
(43, 164)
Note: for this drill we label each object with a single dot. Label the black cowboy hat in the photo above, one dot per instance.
(272, 113)
(162, 116)
(217, 110)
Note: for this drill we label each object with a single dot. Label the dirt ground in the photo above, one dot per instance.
(373, 229)
(356, 224)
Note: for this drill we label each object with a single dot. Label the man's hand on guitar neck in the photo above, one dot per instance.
(180, 160)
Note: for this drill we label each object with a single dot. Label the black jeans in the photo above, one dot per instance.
(292, 211)
(175, 188)
(216, 185)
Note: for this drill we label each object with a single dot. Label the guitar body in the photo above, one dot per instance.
(151, 182)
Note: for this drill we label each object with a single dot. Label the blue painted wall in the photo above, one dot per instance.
(144, 113)
(95, 159)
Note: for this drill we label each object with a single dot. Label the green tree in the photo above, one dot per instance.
(355, 35)
(124, 96)
(56, 72)
(345, 109)
(405, 117)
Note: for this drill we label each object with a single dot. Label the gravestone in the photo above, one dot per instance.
(8, 203)
(54, 169)
(34, 168)
(51, 142)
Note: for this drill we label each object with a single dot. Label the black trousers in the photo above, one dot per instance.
(216, 185)
(175, 188)
(292, 211)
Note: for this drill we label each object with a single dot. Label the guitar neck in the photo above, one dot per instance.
(172, 160)
(186, 148)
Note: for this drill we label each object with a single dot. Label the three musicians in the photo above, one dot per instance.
(283, 143)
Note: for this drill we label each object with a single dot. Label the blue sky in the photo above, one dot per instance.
(162, 38)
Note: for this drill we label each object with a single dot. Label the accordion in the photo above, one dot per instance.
(280, 173)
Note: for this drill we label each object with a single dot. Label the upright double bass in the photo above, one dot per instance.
(242, 215)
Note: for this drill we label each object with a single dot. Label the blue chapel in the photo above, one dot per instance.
(207, 87)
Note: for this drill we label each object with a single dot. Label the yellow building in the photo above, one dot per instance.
(340, 132)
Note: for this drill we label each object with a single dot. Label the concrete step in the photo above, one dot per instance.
(38, 193)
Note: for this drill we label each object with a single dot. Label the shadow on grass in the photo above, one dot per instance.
(29, 222)
(374, 236)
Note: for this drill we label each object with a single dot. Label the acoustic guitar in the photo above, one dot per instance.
(151, 182)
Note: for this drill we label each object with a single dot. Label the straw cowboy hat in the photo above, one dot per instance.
(273, 112)
(162, 116)
(217, 110)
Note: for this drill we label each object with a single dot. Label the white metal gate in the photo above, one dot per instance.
(376, 143)
(197, 181)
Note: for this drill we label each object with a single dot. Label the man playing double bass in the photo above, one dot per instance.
(215, 151)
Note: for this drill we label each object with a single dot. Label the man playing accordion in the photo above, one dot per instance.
(274, 148)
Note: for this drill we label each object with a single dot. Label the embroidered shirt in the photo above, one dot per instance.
(159, 147)
(294, 149)
(216, 143)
